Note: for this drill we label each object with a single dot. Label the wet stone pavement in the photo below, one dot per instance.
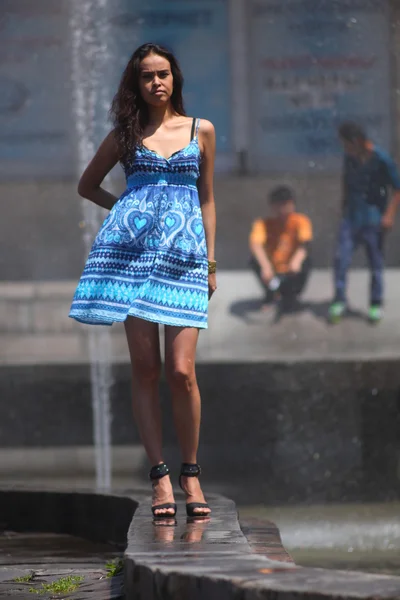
(216, 558)
(44, 558)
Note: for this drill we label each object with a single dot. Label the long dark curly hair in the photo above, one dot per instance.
(129, 112)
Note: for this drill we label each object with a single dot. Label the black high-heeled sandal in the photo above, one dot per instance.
(157, 472)
(192, 470)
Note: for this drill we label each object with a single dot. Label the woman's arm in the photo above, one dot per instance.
(206, 192)
(101, 164)
(206, 184)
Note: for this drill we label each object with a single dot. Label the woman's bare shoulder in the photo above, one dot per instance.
(206, 127)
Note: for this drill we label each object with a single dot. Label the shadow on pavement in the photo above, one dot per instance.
(244, 309)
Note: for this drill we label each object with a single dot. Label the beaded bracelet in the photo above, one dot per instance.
(212, 267)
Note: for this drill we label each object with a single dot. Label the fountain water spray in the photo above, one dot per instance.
(88, 24)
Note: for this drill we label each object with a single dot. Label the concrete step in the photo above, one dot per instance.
(35, 327)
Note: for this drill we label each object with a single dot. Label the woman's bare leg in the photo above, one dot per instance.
(180, 354)
(144, 350)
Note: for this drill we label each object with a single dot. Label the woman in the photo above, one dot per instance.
(152, 261)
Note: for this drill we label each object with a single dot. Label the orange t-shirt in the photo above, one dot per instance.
(282, 239)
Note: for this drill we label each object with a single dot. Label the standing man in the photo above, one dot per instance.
(368, 212)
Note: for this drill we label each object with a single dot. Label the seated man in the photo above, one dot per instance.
(280, 247)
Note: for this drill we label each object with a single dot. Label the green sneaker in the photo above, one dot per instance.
(375, 313)
(336, 311)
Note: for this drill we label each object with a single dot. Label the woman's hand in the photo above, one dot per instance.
(212, 284)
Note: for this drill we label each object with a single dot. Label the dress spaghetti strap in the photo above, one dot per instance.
(197, 126)
(193, 128)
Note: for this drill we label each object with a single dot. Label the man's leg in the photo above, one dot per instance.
(269, 295)
(373, 240)
(343, 255)
(294, 283)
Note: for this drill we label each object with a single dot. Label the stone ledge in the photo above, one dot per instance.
(264, 538)
(215, 560)
(99, 517)
(192, 560)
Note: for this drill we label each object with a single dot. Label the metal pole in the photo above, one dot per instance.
(239, 88)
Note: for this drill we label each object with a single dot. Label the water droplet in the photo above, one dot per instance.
(316, 456)
(374, 391)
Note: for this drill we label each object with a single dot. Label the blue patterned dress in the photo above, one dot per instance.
(149, 259)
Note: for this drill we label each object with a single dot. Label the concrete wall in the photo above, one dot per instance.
(41, 238)
(271, 433)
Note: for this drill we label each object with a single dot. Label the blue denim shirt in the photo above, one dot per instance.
(366, 187)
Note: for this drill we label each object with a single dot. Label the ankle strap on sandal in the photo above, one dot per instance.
(159, 471)
(190, 470)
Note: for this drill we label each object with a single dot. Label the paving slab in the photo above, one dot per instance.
(44, 558)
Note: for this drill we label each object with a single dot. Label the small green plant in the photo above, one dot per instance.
(25, 578)
(61, 586)
(114, 567)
